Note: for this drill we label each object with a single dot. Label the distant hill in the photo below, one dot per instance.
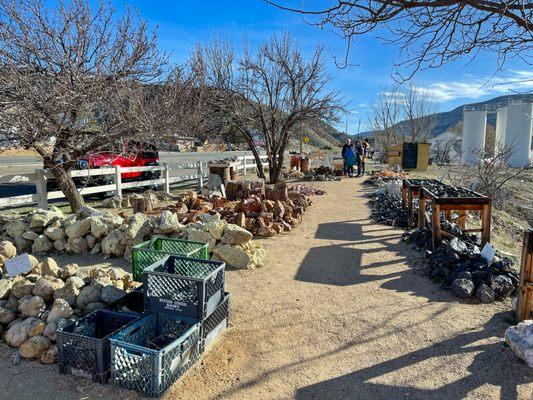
(448, 119)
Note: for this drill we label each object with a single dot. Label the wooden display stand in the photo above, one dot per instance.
(524, 308)
(477, 202)
(410, 189)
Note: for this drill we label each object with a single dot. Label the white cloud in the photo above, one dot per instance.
(473, 87)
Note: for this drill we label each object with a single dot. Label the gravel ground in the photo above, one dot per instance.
(340, 311)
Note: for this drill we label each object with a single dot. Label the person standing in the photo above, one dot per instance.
(345, 148)
(360, 156)
(350, 160)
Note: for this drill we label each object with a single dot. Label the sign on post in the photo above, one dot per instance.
(488, 252)
(18, 265)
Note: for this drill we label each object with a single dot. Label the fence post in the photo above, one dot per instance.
(200, 174)
(41, 189)
(244, 164)
(166, 171)
(118, 181)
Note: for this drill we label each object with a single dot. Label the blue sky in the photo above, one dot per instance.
(180, 24)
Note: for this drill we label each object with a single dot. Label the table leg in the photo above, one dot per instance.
(435, 224)
(410, 209)
(485, 223)
(421, 209)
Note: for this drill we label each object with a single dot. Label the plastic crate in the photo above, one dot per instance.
(151, 354)
(130, 303)
(187, 287)
(157, 247)
(83, 346)
(215, 324)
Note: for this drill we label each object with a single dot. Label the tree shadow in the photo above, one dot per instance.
(486, 369)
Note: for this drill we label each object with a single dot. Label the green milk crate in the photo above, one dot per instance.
(158, 247)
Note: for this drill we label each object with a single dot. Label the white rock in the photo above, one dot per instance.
(76, 281)
(86, 211)
(112, 243)
(16, 334)
(60, 309)
(68, 270)
(216, 228)
(233, 256)
(31, 306)
(77, 245)
(54, 233)
(7, 250)
(49, 267)
(78, 229)
(520, 340)
(234, 234)
(195, 235)
(46, 287)
(5, 288)
(139, 226)
(42, 218)
(41, 245)
(169, 223)
(16, 228)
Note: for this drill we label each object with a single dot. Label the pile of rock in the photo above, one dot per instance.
(457, 265)
(307, 190)
(323, 174)
(386, 208)
(34, 305)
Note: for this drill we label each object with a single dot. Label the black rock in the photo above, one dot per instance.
(502, 286)
(456, 246)
(485, 294)
(464, 275)
(462, 288)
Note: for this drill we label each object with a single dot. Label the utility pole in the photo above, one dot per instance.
(359, 129)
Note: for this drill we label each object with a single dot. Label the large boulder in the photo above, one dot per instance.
(49, 267)
(7, 250)
(112, 244)
(233, 256)
(60, 309)
(42, 245)
(485, 294)
(78, 229)
(15, 229)
(111, 294)
(21, 288)
(101, 225)
(46, 287)
(32, 306)
(462, 288)
(35, 347)
(42, 218)
(89, 294)
(216, 228)
(234, 234)
(195, 235)
(77, 245)
(5, 288)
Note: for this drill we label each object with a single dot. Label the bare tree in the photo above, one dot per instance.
(385, 115)
(76, 79)
(266, 95)
(444, 147)
(431, 33)
(418, 112)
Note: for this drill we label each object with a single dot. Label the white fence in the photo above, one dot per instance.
(198, 173)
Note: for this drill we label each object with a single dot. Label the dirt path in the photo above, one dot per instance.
(339, 312)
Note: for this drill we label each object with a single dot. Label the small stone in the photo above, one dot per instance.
(16, 228)
(462, 288)
(91, 241)
(12, 304)
(16, 334)
(502, 286)
(60, 309)
(50, 356)
(457, 246)
(77, 245)
(35, 347)
(76, 281)
(31, 306)
(116, 273)
(60, 245)
(112, 244)
(54, 233)
(68, 270)
(7, 250)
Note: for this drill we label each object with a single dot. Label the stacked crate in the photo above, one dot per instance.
(180, 310)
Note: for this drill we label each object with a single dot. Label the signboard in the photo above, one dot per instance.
(306, 139)
(18, 265)
(488, 252)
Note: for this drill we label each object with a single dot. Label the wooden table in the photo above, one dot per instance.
(476, 202)
(411, 189)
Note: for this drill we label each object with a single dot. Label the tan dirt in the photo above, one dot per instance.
(340, 311)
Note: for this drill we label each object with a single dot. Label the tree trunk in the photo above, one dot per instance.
(67, 186)
(276, 166)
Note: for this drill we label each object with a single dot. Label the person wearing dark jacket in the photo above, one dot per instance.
(345, 148)
(360, 153)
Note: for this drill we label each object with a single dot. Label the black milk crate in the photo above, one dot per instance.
(83, 346)
(188, 287)
(132, 302)
(215, 324)
(151, 354)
